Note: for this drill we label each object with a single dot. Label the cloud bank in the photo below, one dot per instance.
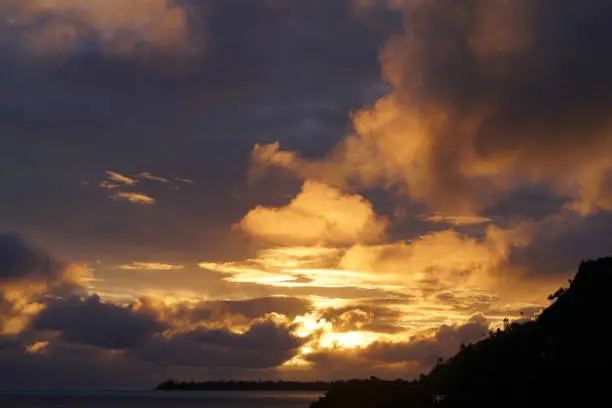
(487, 96)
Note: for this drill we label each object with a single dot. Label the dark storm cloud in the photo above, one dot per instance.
(264, 345)
(63, 366)
(92, 322)
(22, 260)
(562, 241)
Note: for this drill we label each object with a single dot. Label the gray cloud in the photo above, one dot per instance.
(92, 322)
(250, 308)
(22, 260)
(264, 345)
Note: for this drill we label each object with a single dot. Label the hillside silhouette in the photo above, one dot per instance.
(563, 357)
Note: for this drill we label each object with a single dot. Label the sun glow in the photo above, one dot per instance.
(311, 323)
(349, 340)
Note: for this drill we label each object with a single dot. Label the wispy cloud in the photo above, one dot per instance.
(457, 219)
(134, 198)
(37, 348)
(120, 178)
(152, 177)
(120, 184)
(151, 266)
(184, 180)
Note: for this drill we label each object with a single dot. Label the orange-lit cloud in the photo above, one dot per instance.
(480, 105)
(122, 27)
(319, 215)
(152, 177)
(27, 273)
(120, 178)
(151, 266)
(118, 184)
(134, 198)
(38, 347)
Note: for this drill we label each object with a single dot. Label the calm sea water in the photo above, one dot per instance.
(153, 399)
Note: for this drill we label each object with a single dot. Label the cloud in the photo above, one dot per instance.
(426, 350)
(560, 241)
(38, 347)
(487, 96)
(21, 260)
(258, 307)
(27, 274)
(364, 317)
(152, 177)
(396, 359)
(263, 345)
(457, 219)
(222, 313)
(120, 178)
(134, 198)
(151, 266)
(118, 27)
(118, 183)
(319, 215)
(93, 322)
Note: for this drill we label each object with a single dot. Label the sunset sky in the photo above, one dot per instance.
(291, 189)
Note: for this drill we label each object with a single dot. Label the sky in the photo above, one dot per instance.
(290, 189)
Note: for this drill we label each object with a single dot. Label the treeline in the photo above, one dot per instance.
(232, 385)
(562, 358)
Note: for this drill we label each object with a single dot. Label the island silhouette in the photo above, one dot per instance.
(561, 357)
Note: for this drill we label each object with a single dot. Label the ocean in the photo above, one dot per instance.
(159, 399)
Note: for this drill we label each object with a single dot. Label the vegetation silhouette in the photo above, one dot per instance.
(562, 357)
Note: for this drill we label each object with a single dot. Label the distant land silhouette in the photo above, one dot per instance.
(562, 357)
(244, 386)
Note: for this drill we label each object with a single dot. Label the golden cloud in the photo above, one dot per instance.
(319, 215)
(151, 266)
(134, 198)
(120, 178)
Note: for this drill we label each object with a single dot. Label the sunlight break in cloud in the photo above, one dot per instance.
(319, 215)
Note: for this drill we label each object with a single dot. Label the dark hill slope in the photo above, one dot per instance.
(564, 357)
